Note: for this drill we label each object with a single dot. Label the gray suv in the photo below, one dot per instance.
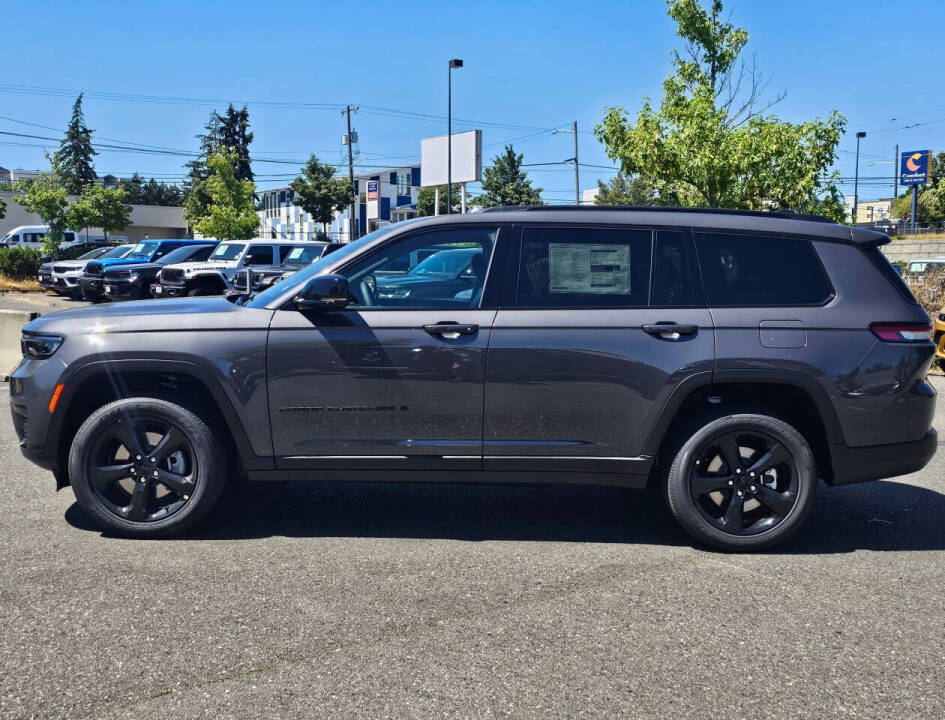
(729, 358)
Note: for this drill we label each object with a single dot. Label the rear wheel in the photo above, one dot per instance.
(742, 482)
(143, 467)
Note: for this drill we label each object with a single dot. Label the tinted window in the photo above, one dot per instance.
(439, 269)
(165, 249)
(259, 255)
(191, 253)
(760, 270)
(584, 267)
(674, 276)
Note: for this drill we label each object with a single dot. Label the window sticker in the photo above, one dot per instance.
(589, 269)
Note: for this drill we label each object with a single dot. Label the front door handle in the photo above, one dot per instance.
(451, 329)
(670, 330)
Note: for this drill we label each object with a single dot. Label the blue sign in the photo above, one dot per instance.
(914, 167)
(372, 189)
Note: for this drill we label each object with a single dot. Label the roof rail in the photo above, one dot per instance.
(784, 214)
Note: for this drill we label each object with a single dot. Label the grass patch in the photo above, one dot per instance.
(23, 286)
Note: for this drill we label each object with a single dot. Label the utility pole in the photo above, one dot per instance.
(895, 178)
(577, 173)
(351, 220)
(856, 176)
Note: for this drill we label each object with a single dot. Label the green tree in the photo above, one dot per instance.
(102, 207)
(44, 195)
(319, 193)
(626, 190)
(506, 183)
(152, 192)
(222, 132)
(3, 209)
(231, 214)
(426, 200)
(710, 144)
(76, 153)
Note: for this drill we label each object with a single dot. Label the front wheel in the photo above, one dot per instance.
(743, 482)
(143, 467)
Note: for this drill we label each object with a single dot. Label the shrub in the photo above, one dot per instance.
(929, 290)
(19, 263)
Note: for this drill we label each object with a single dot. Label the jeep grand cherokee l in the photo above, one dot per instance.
(731, 358)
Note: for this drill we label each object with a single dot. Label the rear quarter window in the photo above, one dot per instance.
(759, 270)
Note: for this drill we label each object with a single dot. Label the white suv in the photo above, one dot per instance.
(215, 275)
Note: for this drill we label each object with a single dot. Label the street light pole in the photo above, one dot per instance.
(856, 174)
(454, 63)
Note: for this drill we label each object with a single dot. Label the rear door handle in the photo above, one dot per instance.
(669, 330)
(447, 329)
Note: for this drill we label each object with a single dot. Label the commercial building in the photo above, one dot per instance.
(146, 221)
(383, 197)
(868, 211)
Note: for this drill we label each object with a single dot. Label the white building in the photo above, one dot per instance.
(397, 189)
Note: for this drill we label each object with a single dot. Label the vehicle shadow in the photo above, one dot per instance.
(887, 516)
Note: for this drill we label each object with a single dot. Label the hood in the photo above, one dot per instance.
(71, 264)
(109, 262)
(139, 266)
(177, 314)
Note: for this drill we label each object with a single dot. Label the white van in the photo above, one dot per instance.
(31, 236)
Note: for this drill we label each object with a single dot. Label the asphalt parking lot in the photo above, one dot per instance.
(407, 601)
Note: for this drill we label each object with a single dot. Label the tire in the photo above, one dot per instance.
(719, 503)
(120, 491)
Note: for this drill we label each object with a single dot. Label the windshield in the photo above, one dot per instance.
(188, 252)
(227, 251)
(118, 252)
(302, 255)
(273, 293)
(92, 254)
(143, 250)
(446, 263)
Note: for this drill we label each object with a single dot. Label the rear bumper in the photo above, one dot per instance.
(861, 464)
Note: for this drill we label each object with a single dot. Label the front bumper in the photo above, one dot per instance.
(163, 290)
(121, 291)
(92, 287)
(875, 462)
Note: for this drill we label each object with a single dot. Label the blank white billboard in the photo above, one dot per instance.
(467, 158)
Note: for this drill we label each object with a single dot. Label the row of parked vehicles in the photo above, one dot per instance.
(179, 267)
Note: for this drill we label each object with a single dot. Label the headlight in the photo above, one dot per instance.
(133, 277)
(942, 317)
(39, 346)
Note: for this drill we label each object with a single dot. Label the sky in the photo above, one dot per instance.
(152, 72)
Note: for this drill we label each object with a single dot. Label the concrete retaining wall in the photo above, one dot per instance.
(11, 325)
(907, 249)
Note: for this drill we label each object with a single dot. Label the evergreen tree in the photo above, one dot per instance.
(506, 183)
(236, 137)
(75, 153)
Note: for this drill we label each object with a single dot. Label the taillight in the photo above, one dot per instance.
(888, 332)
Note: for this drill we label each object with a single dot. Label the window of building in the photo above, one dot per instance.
(584, 267)
(760, 270)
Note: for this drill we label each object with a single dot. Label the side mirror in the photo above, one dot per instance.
(325, 292)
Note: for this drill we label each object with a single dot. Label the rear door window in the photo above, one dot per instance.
(577, 267)
(675, 280)
(259, 255)
(760, 270)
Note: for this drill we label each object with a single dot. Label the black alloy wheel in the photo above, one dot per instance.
(742, 482)
(145, 467)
